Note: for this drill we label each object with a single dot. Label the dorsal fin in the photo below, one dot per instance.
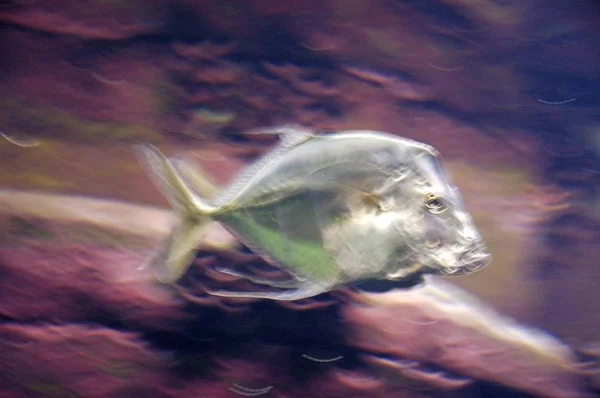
(290, 137)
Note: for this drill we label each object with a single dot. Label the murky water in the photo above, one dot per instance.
(508, 92)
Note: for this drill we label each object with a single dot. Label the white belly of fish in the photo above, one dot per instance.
(364, 245)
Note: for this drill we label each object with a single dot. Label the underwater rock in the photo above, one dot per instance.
(300, 79)
(97, 20)
(500, 87)
(76, 283)
(447, 56)
(397, 86)
(414, 374)
(568, 269)
(78, 361)
(217, 73)
(94, 93)
(441, 325)
(74, 260)
(203, 50)
(258, 93)
(68, 260)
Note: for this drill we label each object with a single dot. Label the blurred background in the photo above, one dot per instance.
(508, 91)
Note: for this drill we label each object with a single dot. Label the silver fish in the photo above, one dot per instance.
(330, 209)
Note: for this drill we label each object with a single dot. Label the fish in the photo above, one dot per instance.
(332, 209)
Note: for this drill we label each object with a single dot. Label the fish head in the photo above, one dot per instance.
(439, 233)
(452, 244)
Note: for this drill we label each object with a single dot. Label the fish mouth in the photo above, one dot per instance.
(472, 260)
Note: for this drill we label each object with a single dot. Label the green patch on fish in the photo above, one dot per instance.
(330, 209)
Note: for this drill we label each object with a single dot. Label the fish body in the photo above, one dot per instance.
(330, 209)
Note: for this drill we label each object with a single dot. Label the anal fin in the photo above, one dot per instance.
(305, 290)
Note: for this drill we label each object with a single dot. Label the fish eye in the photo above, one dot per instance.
(434, 204)
(432, 244)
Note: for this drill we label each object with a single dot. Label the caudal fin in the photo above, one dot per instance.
(174, 180)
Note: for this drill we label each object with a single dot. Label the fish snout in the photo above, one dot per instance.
(473, 258)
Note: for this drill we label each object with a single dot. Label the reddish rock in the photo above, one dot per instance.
(89, 95)
(78, 360)
(102, 20)
(497, 87)
(71, 283)
(83, 270)
(440, 325)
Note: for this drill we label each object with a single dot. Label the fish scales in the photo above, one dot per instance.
(330, 209)
(285, 174)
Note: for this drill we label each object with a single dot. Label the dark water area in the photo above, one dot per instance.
(507, 91)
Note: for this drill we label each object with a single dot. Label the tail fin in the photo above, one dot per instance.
(174, 179)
